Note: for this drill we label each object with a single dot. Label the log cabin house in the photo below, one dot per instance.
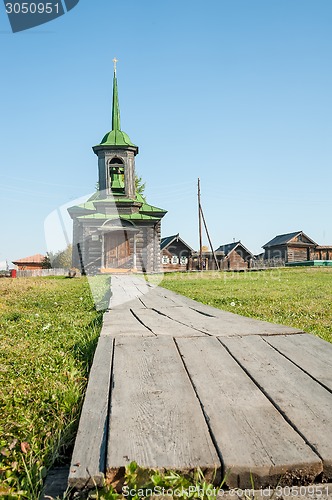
(290, 247)
(236, 256)
(175, 253)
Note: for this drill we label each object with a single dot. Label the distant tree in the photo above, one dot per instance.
(46, 264)
(63, 258)
(140, 186)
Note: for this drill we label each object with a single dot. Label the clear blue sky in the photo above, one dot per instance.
(237, 92)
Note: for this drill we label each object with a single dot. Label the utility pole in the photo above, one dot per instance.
(200, 216)
(210, 242)
(200, 261)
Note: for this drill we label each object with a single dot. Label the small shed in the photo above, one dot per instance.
(30, 263)
(175, 253)
(290, 247)
(237, 257)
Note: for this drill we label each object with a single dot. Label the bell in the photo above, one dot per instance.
(117, 182)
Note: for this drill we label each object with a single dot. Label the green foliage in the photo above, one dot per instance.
(140, 186)
(48, 334)
(294, 297)
(46, 264)
(141, 483)
(62, 259)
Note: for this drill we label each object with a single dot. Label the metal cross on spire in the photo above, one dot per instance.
(115, 60)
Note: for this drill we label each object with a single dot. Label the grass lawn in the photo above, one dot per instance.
(48, 333)
(298, 297)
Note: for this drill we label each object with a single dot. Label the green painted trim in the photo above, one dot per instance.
(146, 207)
(91, 205)
(124, 217)
(310, 263)
(116, 199)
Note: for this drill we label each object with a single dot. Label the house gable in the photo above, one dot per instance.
(284, 239)
(235, 247)
(302, 239)
(176, 243)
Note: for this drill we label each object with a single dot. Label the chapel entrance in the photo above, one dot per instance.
(117, 250)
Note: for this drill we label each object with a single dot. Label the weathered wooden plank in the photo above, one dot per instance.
(251, 435)
(303, 402)
(125, 305)
(154, 299)
(124, 290)
(190, 318)
(312, 354)
(241, 325)
(207, 319)
(162, 325)
(226, 324)
(89, 455)
(178, 297)
(121, 299)
(127, 291)
(155, 417)
(206, 324)
(123, 322)
(231, 324)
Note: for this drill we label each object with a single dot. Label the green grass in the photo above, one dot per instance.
(48, 333)
(143, 483)
(294, 297)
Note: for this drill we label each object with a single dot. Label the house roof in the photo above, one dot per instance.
(230, 247)
(282, 239)
(38, 258)
(168, 240)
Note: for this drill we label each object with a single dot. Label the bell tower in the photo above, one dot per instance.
(116, 155)
(116, 228)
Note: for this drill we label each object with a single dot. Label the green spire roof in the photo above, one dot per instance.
(115, 108)
(116, 137)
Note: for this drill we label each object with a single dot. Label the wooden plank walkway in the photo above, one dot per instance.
(178, 385)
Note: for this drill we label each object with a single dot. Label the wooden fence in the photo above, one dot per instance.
(267, 263)
(42, 272)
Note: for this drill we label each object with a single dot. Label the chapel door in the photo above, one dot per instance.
(117, 250)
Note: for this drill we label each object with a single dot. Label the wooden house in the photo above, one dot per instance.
(175, 253)
(321, 252)
(116, 229)
(236, 256)
(290, 247)
(30, 263)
